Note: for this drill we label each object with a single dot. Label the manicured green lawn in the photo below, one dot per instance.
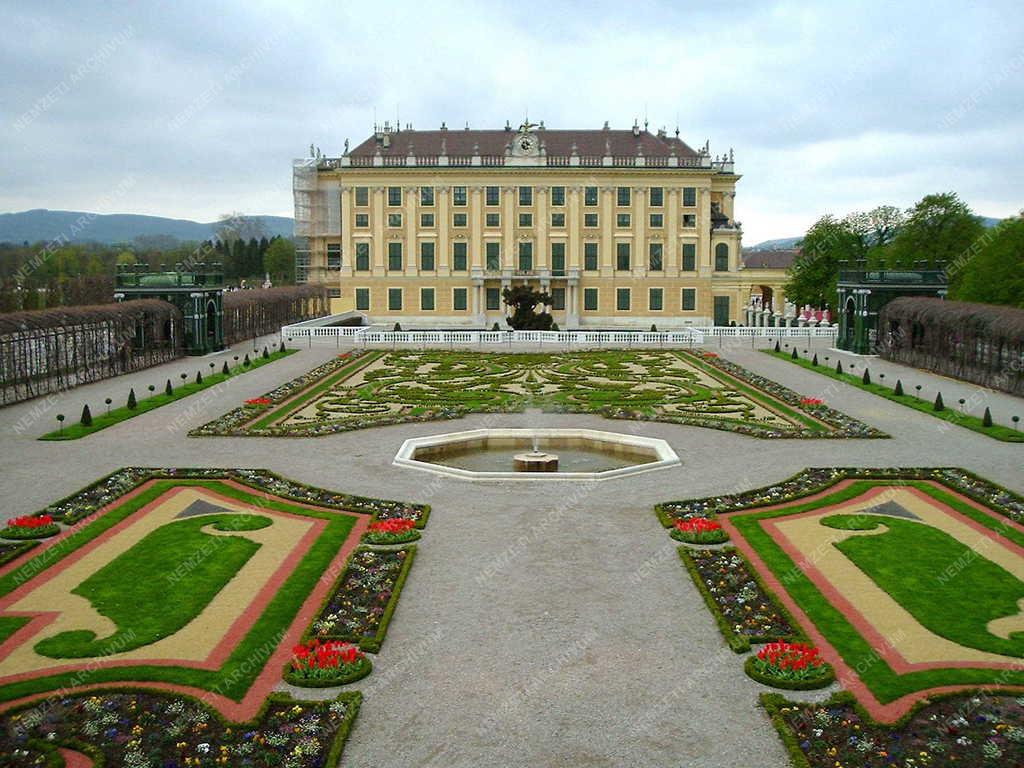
(159, 585)
(949, 414)
(884, 683)
(247, 660)
(76, 430)
(908, 562)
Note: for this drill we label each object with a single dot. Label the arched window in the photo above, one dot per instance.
(721, 257)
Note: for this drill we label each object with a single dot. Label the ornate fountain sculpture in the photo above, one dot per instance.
(536, 460)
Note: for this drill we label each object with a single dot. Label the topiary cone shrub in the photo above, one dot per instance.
(839, 367)
(937, 405)
(199, 377)
(986, 420)
(132, 402)
(866, 378)
(86, 416)
(224, 369)
(397, 328)
(899, 388)
(266, 354)
(794, 355)
(246, 361)
(168, 389)
(654, 328)
(777, 348)
(815, 360)
(496, 327)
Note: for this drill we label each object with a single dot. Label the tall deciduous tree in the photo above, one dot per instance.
(940, 229)
(279, 260)
(813, 276)
(995, 272)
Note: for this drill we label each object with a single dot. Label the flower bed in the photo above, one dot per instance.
(394, 531)
(811, 481)
(77, 506)
(794, 666)
(326, 664)
(30, 527)
(744, 611)
(144, 729)
(973, 731)
(364, 599)
(699, 530)
(12, 549)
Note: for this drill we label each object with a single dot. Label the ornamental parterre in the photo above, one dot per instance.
(981, 731)
(153, 730)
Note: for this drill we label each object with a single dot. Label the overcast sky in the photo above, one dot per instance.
(192, 110)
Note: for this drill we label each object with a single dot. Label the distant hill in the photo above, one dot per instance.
(785, 243)
(45, 225)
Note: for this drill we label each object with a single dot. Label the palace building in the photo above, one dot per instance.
(623, 228)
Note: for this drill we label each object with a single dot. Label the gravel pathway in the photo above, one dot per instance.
(543, 624)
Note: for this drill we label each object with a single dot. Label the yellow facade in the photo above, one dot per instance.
(616, 245)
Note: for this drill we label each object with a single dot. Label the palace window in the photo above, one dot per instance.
(334, 255)
(394, 299)
(689, 299)
(558, 259)
(459, 302)
(689, 197)
(622, 220)
(590, 257)
(492, 195)
(622, 257)
(427, 299)
(362, 257)
(655, 299)
(362, 196)
(558, 195)
(362, 220)
(460, 258)
(334, 293)
(492, 220)
(458, 195)
(590, 196)
(394, 219)
(657, 197)
(525, 219)
(622, 196)
(558, 298)
(493, 299)
(427, 256)
(493, 252)
(655, 260)
(589, 219)
(394, 196)
(459, 220)
(590, 299)
(689, 220)
(525, 256)
(622, 299)
(426, 195)
(526, 195)
(721, 258)
(657, 220)
(558, 220)
(426, 220)
(395, 256)
(689, 257)
(363, 299)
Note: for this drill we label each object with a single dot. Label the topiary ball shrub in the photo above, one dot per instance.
(168, 389)
(899, 388)
(224, 369)
(866, 378)
(86, 419)
(266, 354)
(986, 420)
(938, 404)
(132, 402)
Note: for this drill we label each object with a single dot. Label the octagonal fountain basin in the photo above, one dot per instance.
(535, 454)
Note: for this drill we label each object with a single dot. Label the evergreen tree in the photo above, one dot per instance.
(132, 403)
(86, 416)
(986, 420)
(168, 389)
(899, 388)
(866, 378)
(938, 404)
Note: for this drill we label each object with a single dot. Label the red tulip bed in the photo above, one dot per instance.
(699, 530)
(971, 731)
(30, 527)
(365, 598)
(745, 612)
(393, 531)
(323, 664)
(796, 666)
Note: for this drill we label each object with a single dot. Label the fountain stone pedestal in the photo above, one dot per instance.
(535, 461)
